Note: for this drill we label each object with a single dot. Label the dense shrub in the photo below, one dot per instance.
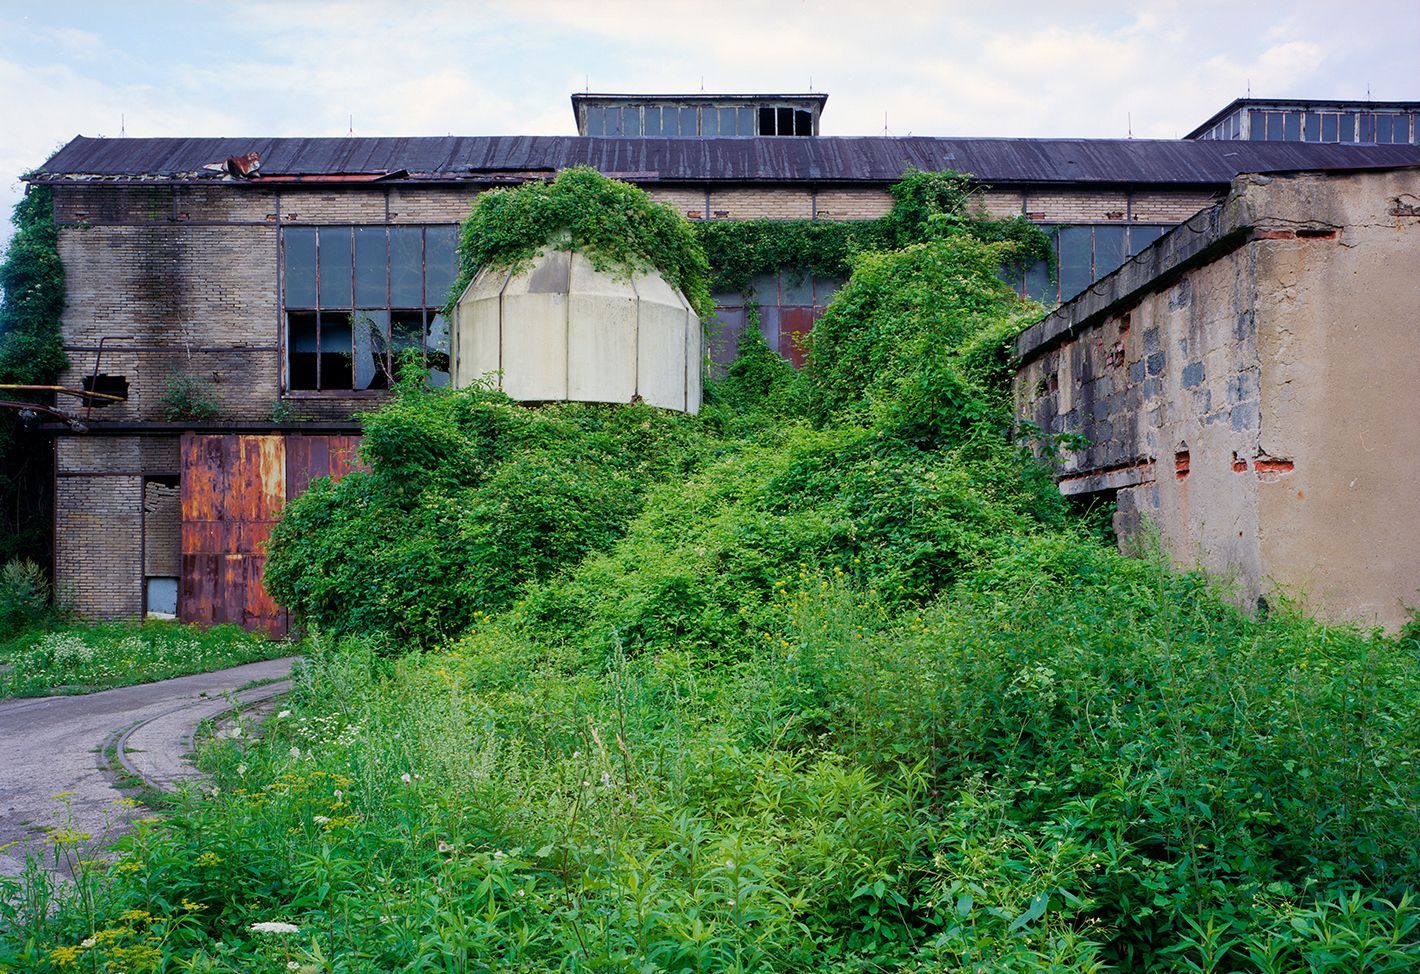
(469, 497)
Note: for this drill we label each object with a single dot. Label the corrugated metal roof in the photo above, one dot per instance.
(877, 159)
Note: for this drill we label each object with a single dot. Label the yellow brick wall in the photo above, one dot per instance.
(761, 204)
(853, 204)
(689, 202)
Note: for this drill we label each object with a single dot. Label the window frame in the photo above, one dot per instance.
(428, 313)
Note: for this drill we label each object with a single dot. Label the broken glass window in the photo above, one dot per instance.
(372, 364)
(336, 360)
(436, 350)
(301, 350)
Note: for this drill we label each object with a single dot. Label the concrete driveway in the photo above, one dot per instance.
(53, 746)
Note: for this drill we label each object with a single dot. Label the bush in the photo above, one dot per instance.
(24, 596)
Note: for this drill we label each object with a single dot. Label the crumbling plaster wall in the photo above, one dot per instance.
(1253, 393)
(1338, 324)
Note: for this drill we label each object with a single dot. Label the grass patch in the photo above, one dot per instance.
(72, 658)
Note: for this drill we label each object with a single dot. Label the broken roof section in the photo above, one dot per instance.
(876, 159)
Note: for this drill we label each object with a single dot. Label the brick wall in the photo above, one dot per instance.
(688, 201)
(776, 203)
(98, 507)
(852, 204)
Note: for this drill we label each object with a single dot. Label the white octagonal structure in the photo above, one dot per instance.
(559, 329)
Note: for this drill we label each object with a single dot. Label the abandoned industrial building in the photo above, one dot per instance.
(284, 274)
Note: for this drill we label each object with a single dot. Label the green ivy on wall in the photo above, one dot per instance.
(616, 225)
(926, 206)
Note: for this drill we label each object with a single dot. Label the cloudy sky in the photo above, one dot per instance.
(403, 67)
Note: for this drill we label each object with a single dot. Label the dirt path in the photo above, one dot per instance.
(53, 746)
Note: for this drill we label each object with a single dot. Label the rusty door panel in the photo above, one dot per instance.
(794, 326)
(312, 457)
(233, 489)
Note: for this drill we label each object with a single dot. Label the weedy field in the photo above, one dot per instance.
(827, 678)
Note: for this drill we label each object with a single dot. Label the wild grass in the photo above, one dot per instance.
(76, 657)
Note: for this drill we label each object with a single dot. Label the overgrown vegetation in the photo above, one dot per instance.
(59, 656)
(616, 225)
(186, 397)
(925, 205)
(826, 678)
(31, 353)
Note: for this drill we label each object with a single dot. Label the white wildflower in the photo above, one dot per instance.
(283, 715)
(295, 752)
(729, 864)
(498, 854)
(241, 769)
(320, 819)
(406, 778)
(606, 779)
(292, 966)
(88, 943)
(274, 926)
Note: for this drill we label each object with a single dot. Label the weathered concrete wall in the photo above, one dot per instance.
(1249, 387)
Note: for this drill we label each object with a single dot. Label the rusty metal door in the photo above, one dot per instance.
(233, 488)
(311, 457)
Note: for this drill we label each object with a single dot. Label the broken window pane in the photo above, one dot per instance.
(298, 250)
(336, 361)
(596, 121)
(803, 123)
(406, 330)
(406, 267)
(372, 349)
(784, 121)
(371, 266)
(766, 121)
(335, 267)
(301, 349)
(436, 344)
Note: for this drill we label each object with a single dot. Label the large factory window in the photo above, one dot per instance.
(355, 298)
(1084, 254)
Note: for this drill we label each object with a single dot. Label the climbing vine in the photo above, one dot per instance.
(926, 206)
(616, 225)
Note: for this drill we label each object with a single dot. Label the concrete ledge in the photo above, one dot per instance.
(1113, 478)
